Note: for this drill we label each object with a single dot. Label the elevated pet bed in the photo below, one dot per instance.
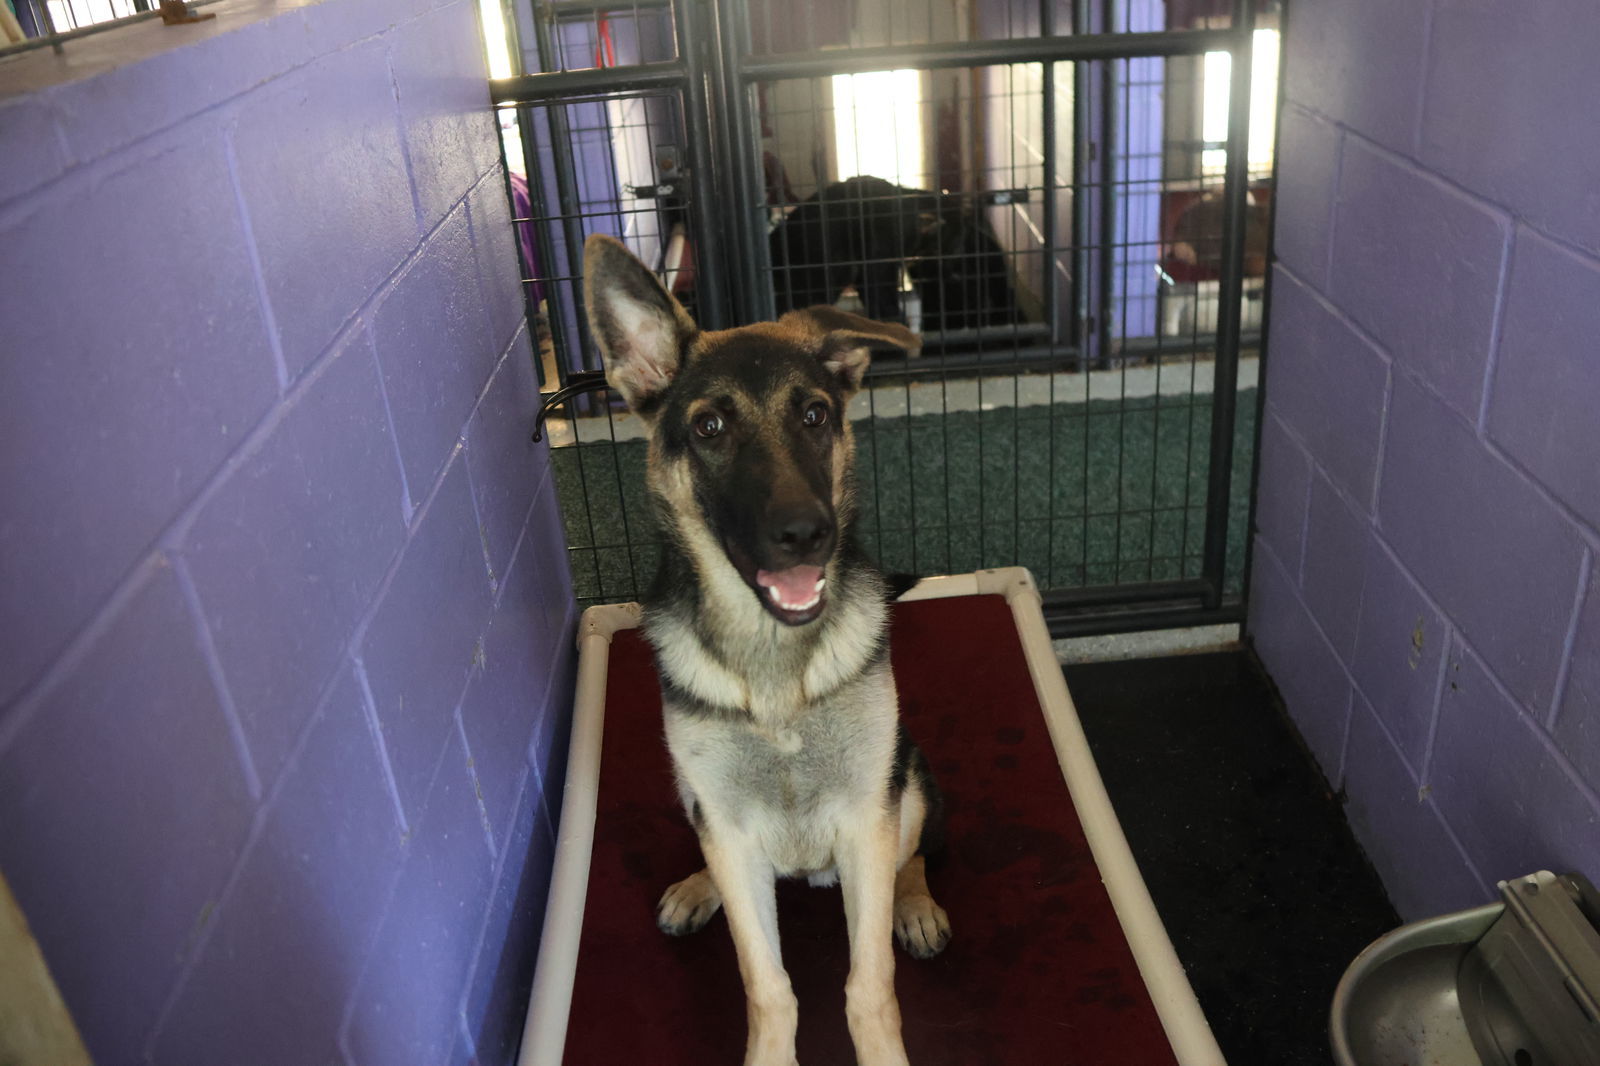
(1057, 956)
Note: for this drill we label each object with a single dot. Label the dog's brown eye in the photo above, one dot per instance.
(816, 414)
(708, 424)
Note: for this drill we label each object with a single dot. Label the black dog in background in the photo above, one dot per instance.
(862, 231)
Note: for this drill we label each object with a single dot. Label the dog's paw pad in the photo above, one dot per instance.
(688, 905)
(921, 926)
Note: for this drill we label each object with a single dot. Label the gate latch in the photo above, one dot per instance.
(654, 192)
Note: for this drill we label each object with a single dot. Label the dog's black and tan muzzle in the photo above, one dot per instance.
(782, 532)
(800, 538)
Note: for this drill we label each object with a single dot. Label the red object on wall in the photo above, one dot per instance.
(605, 50)
(1037, 970)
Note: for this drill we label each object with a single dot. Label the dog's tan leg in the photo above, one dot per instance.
(744, 879)
(866, 873)
(686, 906)
(920, 924)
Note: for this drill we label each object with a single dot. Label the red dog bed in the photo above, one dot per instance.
(1039, 969)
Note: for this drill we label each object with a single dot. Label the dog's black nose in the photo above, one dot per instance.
(801, 531)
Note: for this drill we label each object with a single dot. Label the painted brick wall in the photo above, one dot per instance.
(287, 623)
(1424, 586)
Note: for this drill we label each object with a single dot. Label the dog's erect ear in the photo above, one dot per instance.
(848, 340)
(640, 328)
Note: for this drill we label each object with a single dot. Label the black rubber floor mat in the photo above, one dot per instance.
(1264, 891)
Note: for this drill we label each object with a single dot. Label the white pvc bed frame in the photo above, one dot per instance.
(545, 1031)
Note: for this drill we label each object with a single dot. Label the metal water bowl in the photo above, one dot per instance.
(1513, 983)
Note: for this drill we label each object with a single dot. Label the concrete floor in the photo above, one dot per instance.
(1147, 645)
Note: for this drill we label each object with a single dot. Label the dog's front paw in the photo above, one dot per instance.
(921, 926)
(688, 905)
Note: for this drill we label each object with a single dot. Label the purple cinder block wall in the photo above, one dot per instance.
(287, 624)
(1424, 587)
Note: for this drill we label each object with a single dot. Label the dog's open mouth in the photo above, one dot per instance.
(795, 595)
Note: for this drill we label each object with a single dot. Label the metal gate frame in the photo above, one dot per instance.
(715, 78)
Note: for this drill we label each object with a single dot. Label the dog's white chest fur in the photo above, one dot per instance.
(790, 787)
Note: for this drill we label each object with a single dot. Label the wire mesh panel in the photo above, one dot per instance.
(569, 35)
(778, 27)
(1078, 235)
(615, 172)
(626, 180)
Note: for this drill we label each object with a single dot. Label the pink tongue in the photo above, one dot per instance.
(794, 585)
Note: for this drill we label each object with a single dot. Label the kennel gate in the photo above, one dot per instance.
(1073, 215)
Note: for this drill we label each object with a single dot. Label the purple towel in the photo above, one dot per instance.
(522, 214)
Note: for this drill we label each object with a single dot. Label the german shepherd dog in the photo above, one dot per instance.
(770, 635)
(862, 231)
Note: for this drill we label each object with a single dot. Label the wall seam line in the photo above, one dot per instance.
(257, 276)
(1455, 841)
(405, 146)
(369, 711)
(20, 711)
(471, 768)
(1497, 319)
(1451, 637)
(1586, 532)
(1420, 123)
(1569, 646)
(359, 633)
(1332, 218)
(1343, 317)
(258, 824)
(522, 537)
(1577, 523)
(481, 939)
(1563, 763)
(219, 677)
(363, 971)
(1395, 747)
(1382, 448)
(1317, 630)
(1441, 181)
(407, 508)
(1344, 740)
